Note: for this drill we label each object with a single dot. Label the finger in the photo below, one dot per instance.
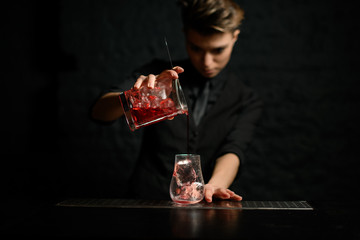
(151, 81)
(231, 193)
(178, 69)
(236, 197)
(221, 193)
(172, 74)
(208, 194)
(139, 82)
(168, 74)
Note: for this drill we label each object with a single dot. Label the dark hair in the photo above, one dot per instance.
(211, 16)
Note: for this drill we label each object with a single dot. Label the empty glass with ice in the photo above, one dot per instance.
(187, 183)
(146, 106)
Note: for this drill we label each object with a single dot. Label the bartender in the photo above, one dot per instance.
(223, 111)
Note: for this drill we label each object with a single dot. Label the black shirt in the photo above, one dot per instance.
(226, 127)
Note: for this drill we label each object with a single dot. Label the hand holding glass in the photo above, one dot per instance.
(146, 105)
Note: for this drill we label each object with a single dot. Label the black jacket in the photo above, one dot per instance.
(227, 127)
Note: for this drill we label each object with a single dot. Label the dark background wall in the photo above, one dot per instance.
(301, 57)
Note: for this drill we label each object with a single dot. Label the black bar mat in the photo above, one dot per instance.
(246, 205)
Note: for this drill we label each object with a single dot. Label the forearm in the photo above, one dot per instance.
(225, 170)
(107, 108)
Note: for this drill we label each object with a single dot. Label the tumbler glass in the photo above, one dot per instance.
(187, 183)
(146, 106)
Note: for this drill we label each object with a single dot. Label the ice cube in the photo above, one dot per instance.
(167, 103)
(163, 89)
(185, 173)
(145, 101)
(197, 189)
(135, 98)
(154, 101)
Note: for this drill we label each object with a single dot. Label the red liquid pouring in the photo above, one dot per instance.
(188, 133)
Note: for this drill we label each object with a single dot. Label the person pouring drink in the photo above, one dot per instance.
(223, 111)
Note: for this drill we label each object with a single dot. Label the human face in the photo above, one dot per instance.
(209, 54)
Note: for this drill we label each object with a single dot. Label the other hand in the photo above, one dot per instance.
(219, 192)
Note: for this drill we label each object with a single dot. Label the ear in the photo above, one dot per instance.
(236, 34)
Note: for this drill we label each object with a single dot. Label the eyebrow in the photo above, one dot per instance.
(219, 47)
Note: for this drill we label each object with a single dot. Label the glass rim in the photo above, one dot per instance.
(186, 154)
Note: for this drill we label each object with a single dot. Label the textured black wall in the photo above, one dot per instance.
(299, 55)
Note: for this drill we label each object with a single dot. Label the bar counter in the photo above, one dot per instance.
(144, 219)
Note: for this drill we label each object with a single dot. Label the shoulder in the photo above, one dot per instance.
(237, 83)
(238, 86)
